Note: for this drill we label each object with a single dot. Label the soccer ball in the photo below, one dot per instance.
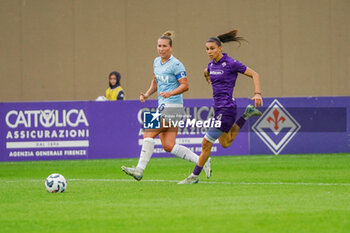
(55, 183)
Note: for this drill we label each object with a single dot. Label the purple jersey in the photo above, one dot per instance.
(223, 75)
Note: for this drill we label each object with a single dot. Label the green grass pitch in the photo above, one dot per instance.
(285, 193)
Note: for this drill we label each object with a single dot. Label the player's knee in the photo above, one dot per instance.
(168, 147)
(225, 143)
(206, 145)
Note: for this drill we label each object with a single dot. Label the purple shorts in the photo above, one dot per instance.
(227, 117)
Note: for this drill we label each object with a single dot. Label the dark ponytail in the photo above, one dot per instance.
(226, 37)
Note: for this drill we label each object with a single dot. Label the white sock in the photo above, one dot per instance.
(146, 153)
(184, 153)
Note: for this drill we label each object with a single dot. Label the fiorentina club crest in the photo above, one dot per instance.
(276, 127)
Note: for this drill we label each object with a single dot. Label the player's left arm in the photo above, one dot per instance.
(179, 90)
(257, 90)
(121, 95)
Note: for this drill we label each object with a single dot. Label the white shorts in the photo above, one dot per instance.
(172, 112)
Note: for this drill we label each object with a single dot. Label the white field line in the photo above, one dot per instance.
(201, 182)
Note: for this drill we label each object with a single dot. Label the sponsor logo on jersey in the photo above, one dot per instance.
(216, 72)
(161, 78)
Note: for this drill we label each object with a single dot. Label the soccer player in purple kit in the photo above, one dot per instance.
(222, 73)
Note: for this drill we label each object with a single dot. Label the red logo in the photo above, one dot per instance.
(275, 120)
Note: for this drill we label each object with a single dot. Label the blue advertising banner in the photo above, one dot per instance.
(114, 129)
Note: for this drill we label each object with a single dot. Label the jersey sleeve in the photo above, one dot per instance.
(237, 66)
(121, 95)
(179, 70)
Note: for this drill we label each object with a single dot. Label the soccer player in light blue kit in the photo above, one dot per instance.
(221, 73)
(170, 81)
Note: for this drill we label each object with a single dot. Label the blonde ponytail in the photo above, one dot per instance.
(168, 35)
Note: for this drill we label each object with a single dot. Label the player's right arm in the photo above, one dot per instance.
(150, 91)
(256, 81)
(206, 75)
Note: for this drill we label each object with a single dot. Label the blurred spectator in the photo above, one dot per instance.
(115, 91)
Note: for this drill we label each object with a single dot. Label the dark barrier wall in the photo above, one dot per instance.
(64, 49)
(93, 130)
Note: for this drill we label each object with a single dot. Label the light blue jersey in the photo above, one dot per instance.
(167, 76)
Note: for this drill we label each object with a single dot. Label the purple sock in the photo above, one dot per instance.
(197, 170)
(240, 122)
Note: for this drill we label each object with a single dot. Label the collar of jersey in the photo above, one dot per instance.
(166, 61)
(221, 59)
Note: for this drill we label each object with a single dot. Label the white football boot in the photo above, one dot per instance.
(207, 168)
(192, 179)
(251, 111)
(134, 172)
